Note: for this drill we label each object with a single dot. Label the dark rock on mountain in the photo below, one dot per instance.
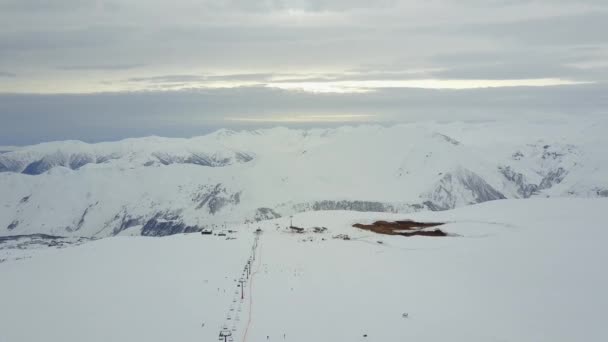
(460, 186)
(126, 222)
(353, 205)
(214, 198)
(166, 223)
(262, 214)
(448, 139)
(201, 159)
(38, 167)
(243, 157)
(524, 189)
(553, 177)
(13, 225)
(79, 160)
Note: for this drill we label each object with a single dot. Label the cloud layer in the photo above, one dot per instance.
(158, 67)
(30, 118)
(96, 45)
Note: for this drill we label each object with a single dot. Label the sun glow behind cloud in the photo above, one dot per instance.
(328, 118)
(344, 81)
(334, 83)
(370, 85)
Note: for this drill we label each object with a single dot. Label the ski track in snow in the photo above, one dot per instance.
(250, 315)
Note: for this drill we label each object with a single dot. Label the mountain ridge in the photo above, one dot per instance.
(161, 186)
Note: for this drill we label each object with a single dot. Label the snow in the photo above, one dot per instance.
(513, 270)
(88, 189)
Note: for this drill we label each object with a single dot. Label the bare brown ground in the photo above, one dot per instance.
(403, 228)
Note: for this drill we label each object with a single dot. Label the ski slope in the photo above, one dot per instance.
(512, 270)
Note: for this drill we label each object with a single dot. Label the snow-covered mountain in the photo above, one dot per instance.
(160, 186)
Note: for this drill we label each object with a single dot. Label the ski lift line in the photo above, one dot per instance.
(225, 332)
(251, 292)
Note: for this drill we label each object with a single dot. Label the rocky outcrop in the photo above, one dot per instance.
(447, 139)
(38, 167)
(8, 164)
(201, 159)
(167, 223)
(39, 163)
(553, 177)
(123, 221)
(460, 187)
(524, 189)
(262, 214)
(365, 206)
(215, 198)
(13, 225)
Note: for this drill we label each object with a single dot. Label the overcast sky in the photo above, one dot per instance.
(100, 70)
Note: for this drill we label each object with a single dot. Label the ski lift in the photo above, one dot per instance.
(225, 334)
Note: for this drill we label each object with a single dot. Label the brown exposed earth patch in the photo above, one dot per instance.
(403, 228)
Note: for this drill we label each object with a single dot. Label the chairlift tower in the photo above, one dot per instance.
(225, 334)
(242, 281)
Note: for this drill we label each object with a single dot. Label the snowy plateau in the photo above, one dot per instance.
(102, 242)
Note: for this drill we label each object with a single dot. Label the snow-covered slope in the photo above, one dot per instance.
(513, 270)
(161, 186)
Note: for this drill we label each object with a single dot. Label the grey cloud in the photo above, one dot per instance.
(506, 3)
(506, 71)
(270, 78)
(218, 35)
(578, 29)
(258, 77)
(64, 38)
(56, 5)
(110, 116)
(48, 42)
(522, 62)
(169, 78)
(304, 5)
(100, 67)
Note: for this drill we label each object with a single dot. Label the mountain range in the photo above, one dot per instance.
(157, 186)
